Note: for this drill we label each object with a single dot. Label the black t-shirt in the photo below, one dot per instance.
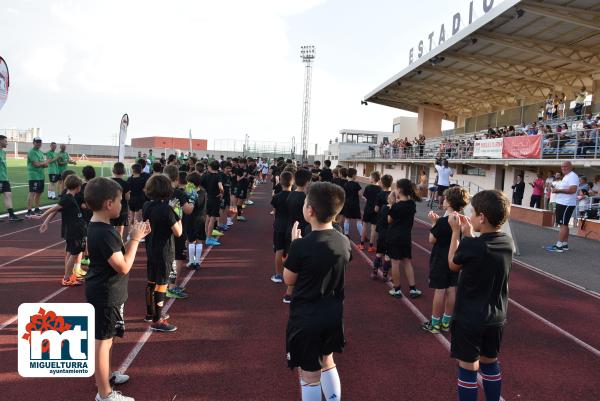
(136, 186)
(279, 202)
(320, 259)
(103, 285)
(402, 214)
(195, 220)
(326, 175)
(226, 180)
(160, 246)
(382, 199)
(482, 293)
(352, 188)
(443, 234)
(295, 203)
(238, 171)
(71, 217)
(242, 184)
(382, 222)
(338, 181)
(370, 193)
(277, 189)
(86, 213)
(210, 182)
(125, 189)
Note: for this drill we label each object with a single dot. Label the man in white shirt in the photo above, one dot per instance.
(596, 186)
(444, 173)
(566, 199)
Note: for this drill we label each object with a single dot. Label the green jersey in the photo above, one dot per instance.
(63, 161)
(35, 173)
(52, 167)
(151, 158)
(3, 169)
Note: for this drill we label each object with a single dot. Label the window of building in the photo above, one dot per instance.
(471, 170)
(396, 128)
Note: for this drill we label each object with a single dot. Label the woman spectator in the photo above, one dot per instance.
(549, 106)
(596, 187)
(562, 105)
(538, 191)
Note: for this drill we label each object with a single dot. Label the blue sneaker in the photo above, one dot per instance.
(277, 278)
(212, 242)
(554, 248)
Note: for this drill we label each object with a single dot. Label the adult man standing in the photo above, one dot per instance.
(443, 183)
(518, 191)
(53, 171)
(566, 199)
(4, 183)
(36, 163)
(151, 157)
(64, 159)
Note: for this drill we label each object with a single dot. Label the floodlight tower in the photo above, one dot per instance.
(307, 53)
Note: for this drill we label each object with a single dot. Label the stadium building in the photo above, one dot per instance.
(493, 76)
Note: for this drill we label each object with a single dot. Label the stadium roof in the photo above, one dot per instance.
(520, 50)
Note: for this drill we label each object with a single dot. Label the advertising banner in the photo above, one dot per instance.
(491, 148)
(522, 147)
(4, 82)
(123, 137)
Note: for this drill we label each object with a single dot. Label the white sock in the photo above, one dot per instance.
(310, 392)
(558, 243)
(76, 266)
(229, 220)
(346, 227)
(330, 383)
(198, 253)
(191, 252)
(359, 226)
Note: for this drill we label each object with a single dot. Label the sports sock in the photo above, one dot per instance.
(159, 303)
(435, 320)
(239, 210)
(387, 265)
(446, 319)
(191, 252)
(198, 253)
(330, 384)
(229, 221)
(492, 380)
(346, 227)
(467, 385)
(359, 226)
(558, 244)
(377, 262)
(76, 266)
(310, 392)
(150, 299)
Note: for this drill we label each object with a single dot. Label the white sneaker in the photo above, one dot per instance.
(114, 396)
(117, 377)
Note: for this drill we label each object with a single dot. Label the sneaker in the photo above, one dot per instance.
(176, 293)
(445, 327)
(217, 233)
(148, 318)
(565, 247)
(117, 377)
(163, 325)
(416, 293)
(554, 248)
(14, 218)
(38, 212)
(230, 223)
(372, 249)
(395, 293)
(361, 247)
(71, 281)
(85, 261)
(287, 299)
(29, 214)
(373, 274)
(249, 202)
(212, 242)
(241, 218)
(277, 278)
(114, 396)
(427, 326)
(79, 273)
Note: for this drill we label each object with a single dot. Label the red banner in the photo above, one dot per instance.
(522, 147)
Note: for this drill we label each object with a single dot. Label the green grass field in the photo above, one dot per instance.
(17, 174)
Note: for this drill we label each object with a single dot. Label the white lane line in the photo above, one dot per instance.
(41, 301)
(441, 339)
(542, 272)
(31, 254)
(25, 229)
(146, 336)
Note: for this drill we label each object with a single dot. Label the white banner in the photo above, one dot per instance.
(123, 137)
(4, 82)
(491, 148)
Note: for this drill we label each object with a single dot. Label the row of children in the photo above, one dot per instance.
(315, 259)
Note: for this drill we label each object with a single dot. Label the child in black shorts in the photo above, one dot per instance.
(211, 182)
(315, 267)
(196, 235)
(75, 230)
(107, 279)
(241, 193)
(351, 211)
(137, 197)
(369, 216)
(382, 208)
(122, 221)
(399, 236)
(160, 248)
(88, 173)
(225, 202)
(279, 204)
(441, 278)
(484, 263)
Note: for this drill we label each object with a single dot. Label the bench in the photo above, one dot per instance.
(590, 229)
(537, 217)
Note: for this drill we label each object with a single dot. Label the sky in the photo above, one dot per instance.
(221, 69)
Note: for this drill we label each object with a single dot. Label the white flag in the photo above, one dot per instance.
(4, 82)
(123, 137)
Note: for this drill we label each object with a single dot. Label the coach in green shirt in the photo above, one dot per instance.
(4, 183)
(53, 174)
(36, 163)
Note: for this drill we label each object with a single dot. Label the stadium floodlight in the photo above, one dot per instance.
(307, 53)
(364, 102)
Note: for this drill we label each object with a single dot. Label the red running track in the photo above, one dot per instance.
(230, 342)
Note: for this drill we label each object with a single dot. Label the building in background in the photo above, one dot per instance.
(20, 135)
(163, 142)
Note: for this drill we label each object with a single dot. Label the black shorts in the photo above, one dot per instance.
(441, 189)
(54, 178)
(279, 241)
(122, 220)
(440, 275)
(109, 321)
(136, 203)
(381, 244)
(75, 246)
(306, 346)
(370, 217)
(196, 232)
(4, 187)
(158, 272)
(180, 248)
(401, 250)
(225, 202)
(563, 214)
(351, 212)
(36, 186)
(212, 207)
(468, 345)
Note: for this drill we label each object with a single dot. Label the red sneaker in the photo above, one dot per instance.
(372, 249)
(361, 247)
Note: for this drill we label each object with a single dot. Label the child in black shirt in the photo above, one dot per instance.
(241, 193)
(88, 173)
(351, 210)
(160, 248)
(122, 221)
(484, 263)
(196, 235)
(75, 230)
(106, 281)
(369, 216)
(279, 204)
(441, 278)
(315, 267)
(211, 182)
(399, 236)
(326, 174)
(225, 204)
(382, 208)
(137, 197)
